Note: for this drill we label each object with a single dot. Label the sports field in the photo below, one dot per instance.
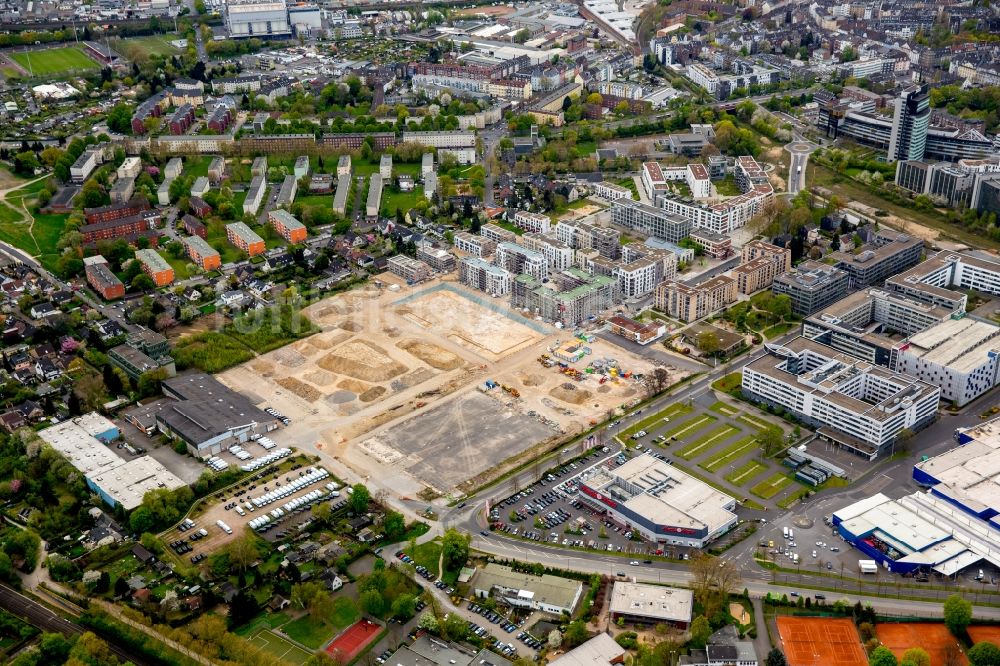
(931, 636)
(989, 633)
(282, 648)
(352, 642)
(816, 641)
(148, 46)
(44, 62)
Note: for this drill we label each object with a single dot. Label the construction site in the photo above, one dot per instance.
(437, 385)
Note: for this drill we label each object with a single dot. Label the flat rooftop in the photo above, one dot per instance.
(960, 344)
(548, 589)
(668, 604)
(129, 482)
(666, 495)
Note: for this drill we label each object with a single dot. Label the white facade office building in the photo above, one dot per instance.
(257, 18)
(857, 406)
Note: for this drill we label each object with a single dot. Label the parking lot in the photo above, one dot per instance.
(550, 510)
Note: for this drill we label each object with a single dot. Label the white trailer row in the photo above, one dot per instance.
(257, 463)
(313, 475)
(217, 464)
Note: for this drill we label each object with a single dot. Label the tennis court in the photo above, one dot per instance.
(820, 641)
(931, 636)
(353, 641)
(989, 633)
(280, 647)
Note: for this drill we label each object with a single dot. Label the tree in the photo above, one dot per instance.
(882, 656)
(917, 656)
(700, 631)
(776, 658)
(455, 549)
(454, 627)
(359, 498)
(957, 614)
(555, 639)
(371, 602)
(121, 587)
(394, 524)
(91, 650)
(25, 163)
(242, 551)
(770, 441)
(576, 633)
(708, 342)
(404, 606)
(143, 282)
(242, 608)
(983, 653)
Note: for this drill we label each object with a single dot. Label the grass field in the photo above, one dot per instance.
(771, 486)
(54, 61)
(280, 647)
(38, 240)
(676, 409)
(746, 473)
(686, 428)
(150, 45)
(732, 452)
(707, 441)
(729, 382)
(404, 201)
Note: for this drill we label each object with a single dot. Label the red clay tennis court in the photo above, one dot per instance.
(985, 633)
(931, 636)
(820, 641)
(348, 645)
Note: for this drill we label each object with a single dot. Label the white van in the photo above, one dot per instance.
(791, 533)
(784, 531)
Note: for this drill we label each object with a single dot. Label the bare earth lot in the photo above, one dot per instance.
(389, 386)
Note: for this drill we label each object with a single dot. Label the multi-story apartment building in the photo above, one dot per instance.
(385, 166)
(124, 227)
(181, 119)
(474, 246)
(479, 274)
(568, 298)
(344, 184)
(440, 260)
(243, 238)
(858, 407)
(155, 267)
(497, 234)
(202, 254)
(380, 140)
(611, 191)
(84, 165)
(255, 195)
(650, 220)
(580, 235)
(692, 302)
(519, 260)
(102, 279)
(888, 253)
(715, 245)
(446, 139)
(374, 202)
(558, 255)
(536, 222)
(410, 269)
(122, 191)
(812, 286)
(287, 226)
(754, 275)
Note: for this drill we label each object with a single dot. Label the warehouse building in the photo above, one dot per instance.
(664, 504)
(120, 483)
(855, 405)
(637, 603)
(545, 593)
(208, 416)
(257, 18)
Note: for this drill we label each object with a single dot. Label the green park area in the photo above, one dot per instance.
(49, 62)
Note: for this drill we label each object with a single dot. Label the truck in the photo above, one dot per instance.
(868, 566)
(800, 169)
(225, 528)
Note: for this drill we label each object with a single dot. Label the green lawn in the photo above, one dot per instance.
(746, 473)
(217, 239)
(771, 486)
(54, 61)
(732, 452)
(729, 382)
(152, 45)
(404, 201)
(198, 166)
(325, 200)
(676, 409)
(309, 632)
(778, 330)
(426, 554)
(686, 428)
(707, 441)
(727, 187)
(43, 236)
(754, 422)
(724, 409)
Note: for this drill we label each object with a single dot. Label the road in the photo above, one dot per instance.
(800, 151)
(41, 617)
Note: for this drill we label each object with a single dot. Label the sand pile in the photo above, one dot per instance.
(299, 388)
(353, 385)
(571, 394)
(604, 388)
(340, 397)
(350, 325)
(431, 354)
(262, 367)
(531, 380)
(320, 377)
(373, 393)
(362, 360)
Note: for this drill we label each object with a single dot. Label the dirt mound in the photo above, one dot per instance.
(320, 377)
(299, 388)
(289, 357)
(373, 393)
(340, 397)
(418, 376)
(263, 367)
(353, 385)
(432, 355)
(329, 340)
(604, 388)
(352, 326)
(571, 394)
(362, 360)
(531, 380)
(391, 332)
